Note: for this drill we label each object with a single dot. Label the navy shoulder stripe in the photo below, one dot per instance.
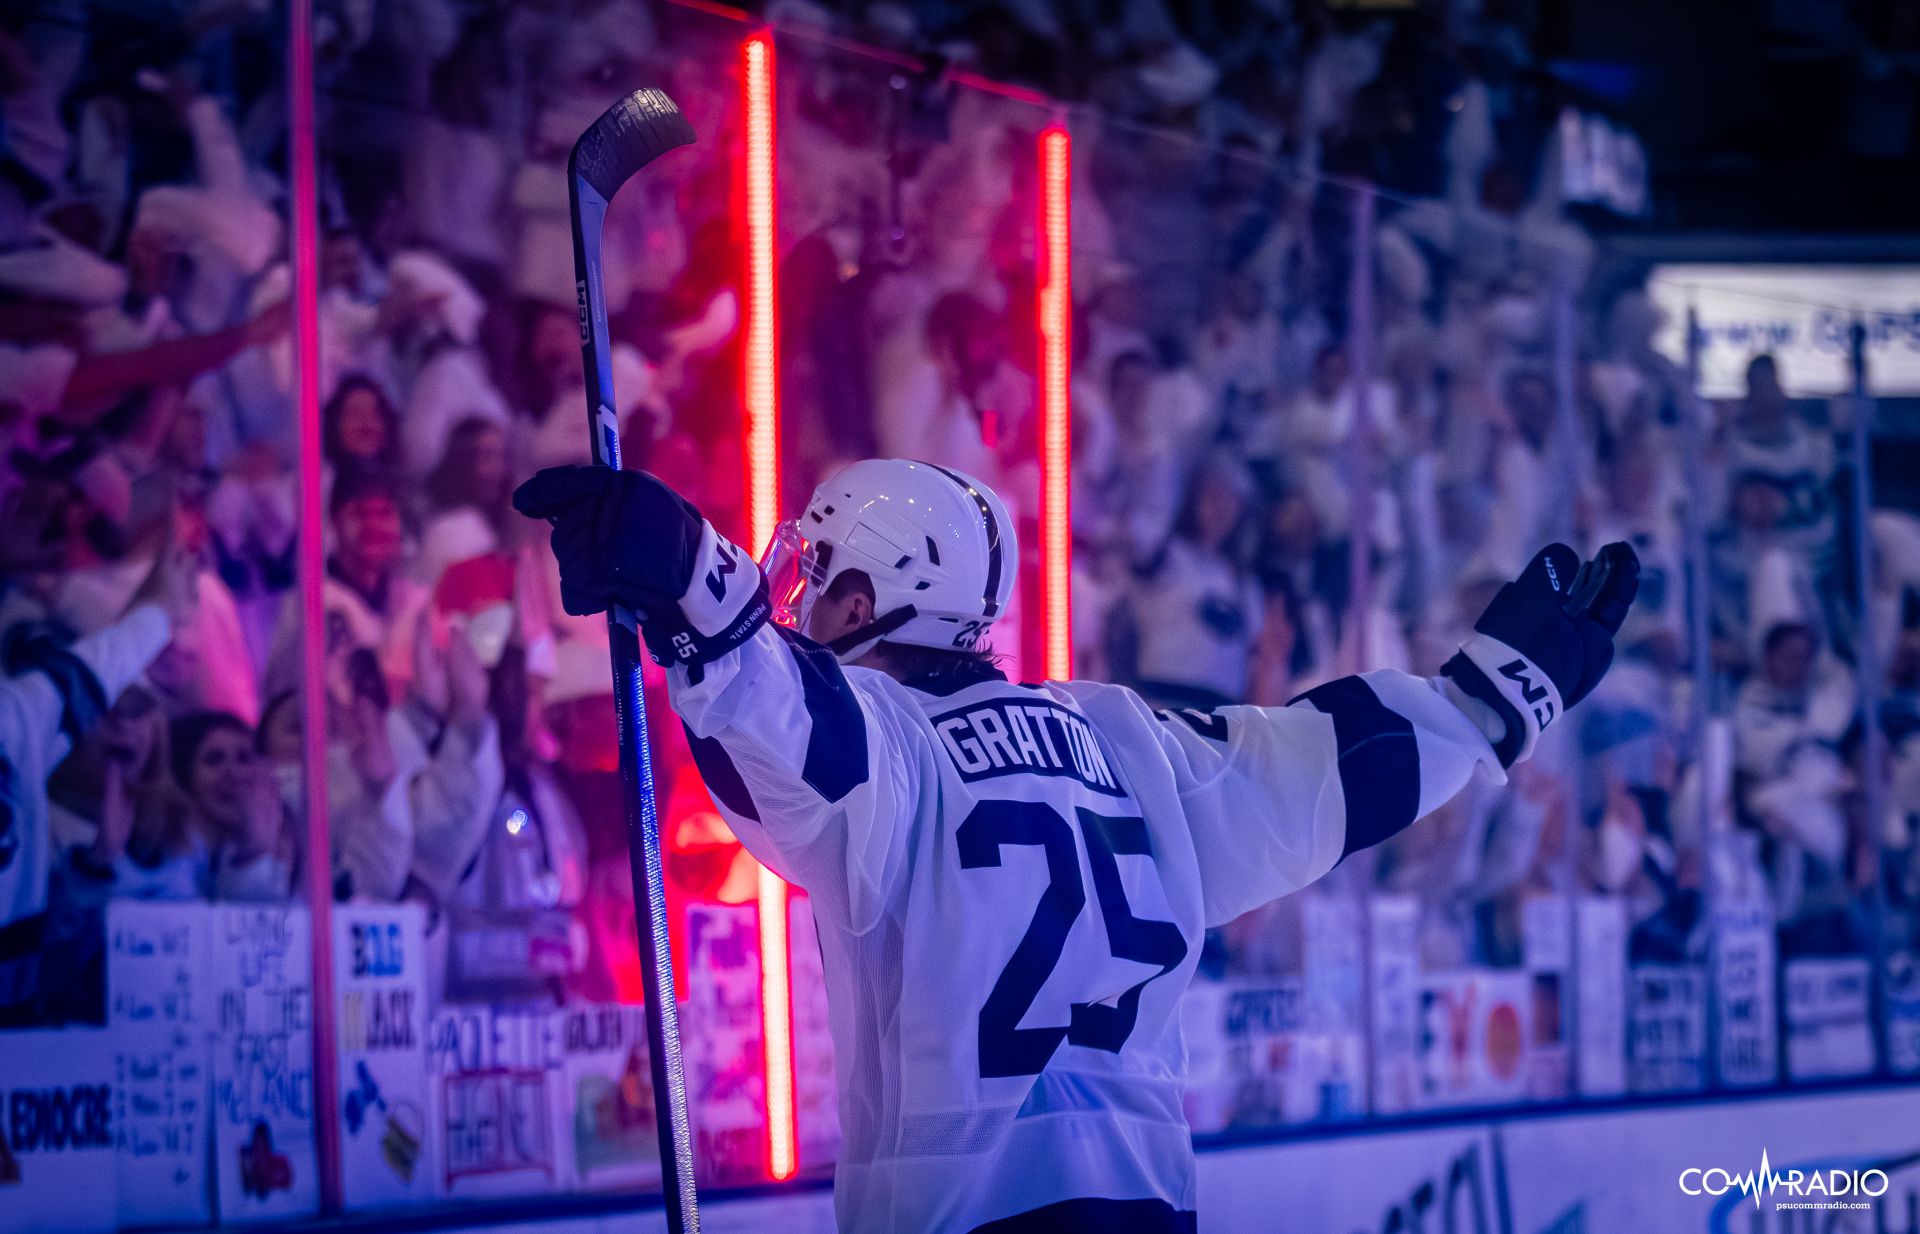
(836, 759)
(1379, 761)
(721, 776)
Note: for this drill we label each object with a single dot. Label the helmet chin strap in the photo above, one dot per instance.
(855, 643)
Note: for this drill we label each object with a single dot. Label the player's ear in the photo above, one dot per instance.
(854, 594)
(859, 609)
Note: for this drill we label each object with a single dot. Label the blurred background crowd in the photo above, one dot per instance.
(1275, 481)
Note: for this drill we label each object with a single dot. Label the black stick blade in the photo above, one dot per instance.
(633, 132)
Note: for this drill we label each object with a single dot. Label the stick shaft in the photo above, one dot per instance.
(636, 767)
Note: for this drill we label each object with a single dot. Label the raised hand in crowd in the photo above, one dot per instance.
(173, 584)
(369, 746)
(263, 829)
(467, 682)
(102, 379)
(177, 88)
(430, 685)
(268, 325)
(116, 814)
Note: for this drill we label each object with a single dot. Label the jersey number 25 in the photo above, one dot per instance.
(1005, 1048)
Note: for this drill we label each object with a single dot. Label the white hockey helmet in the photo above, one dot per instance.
(936, 544)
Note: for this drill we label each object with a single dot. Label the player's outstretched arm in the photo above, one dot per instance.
(817, 779)
(1276, 796)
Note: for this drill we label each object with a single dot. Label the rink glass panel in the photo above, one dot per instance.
(535, 1079)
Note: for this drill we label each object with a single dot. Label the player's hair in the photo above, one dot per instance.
(914, 662)
(938, 663)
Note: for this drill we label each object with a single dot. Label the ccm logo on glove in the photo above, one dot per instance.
(718, 576)
(1517, 671)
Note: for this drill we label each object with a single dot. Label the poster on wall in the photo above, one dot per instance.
(265, 1164)
(815, 1095)
(607, 1124)
(724, 1068)
(1829, 1035)
(379, 974)
(1546, 933)
(1209, 1085)
(1333, 952)
(1902, 992)
(160, 1015)
(1666, 1028)
(1475, 1037)
(1600, 996)
(495, 1076)
(1799, 314)
(57, 1139)
(1394, 961)
(1263, 1021)
(1746, 1049)
(1285, 1068)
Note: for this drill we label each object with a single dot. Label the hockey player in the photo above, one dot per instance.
(1012, 881)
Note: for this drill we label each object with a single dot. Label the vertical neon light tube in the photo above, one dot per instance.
(762, 293)
(761, 385)
(304, 208)
(776, 1025)
(1056, 401)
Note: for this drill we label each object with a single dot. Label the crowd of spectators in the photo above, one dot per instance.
(1268, 489)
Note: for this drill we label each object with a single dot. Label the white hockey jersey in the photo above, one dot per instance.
(1012, 883)
(32, 743)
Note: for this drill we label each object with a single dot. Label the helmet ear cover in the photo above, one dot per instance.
(856, 643)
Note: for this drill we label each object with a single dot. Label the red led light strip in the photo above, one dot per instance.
(762, 294)
(761, 388)
(1056, 401)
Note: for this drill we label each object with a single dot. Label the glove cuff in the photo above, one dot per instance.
(721, 584)
(1513, 685)
(726, 601)
(672, 640)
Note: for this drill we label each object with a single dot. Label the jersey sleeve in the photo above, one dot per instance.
(818, 771)
(121, 652)
(1276, 796)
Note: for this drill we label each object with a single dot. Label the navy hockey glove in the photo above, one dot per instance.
(1546, 640)
(624, 540)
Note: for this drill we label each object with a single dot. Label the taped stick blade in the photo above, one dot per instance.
(632, 133)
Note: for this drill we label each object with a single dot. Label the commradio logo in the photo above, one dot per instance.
(1824, 1189)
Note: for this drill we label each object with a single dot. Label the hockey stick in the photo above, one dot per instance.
(632, 133)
